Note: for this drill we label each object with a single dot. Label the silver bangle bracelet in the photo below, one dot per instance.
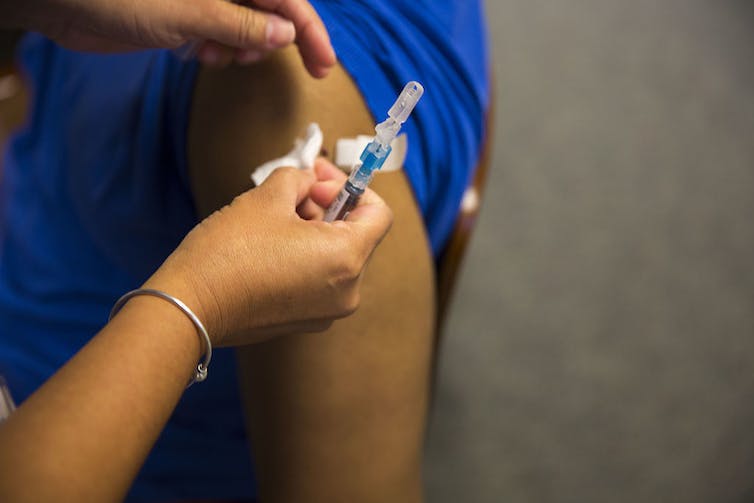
(203, 366)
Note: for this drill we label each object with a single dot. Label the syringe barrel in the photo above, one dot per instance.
(347, 199)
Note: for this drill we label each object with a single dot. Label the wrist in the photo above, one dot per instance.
(173, 328)
(201, 370)
(198, 298)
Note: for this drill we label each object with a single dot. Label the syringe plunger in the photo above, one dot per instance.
(406, 102)
(399, 112)
(375, 153)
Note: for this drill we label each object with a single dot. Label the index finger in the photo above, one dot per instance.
(311, 35)
(288, 186)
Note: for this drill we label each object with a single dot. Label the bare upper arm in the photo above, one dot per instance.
(244, 116)
(348, 404)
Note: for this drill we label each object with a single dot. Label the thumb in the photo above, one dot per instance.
(237, 26)
(370, 220)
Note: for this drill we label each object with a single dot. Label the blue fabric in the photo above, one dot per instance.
(95, 195)
(443, 45)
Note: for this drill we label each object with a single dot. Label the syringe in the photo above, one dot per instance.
(374, 155)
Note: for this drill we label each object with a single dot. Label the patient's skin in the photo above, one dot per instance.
(337, 416)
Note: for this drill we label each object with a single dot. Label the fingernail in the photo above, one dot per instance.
(209, 55)
(248, 56)
(280, 32)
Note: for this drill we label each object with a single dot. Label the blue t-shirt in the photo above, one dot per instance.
(95, 196)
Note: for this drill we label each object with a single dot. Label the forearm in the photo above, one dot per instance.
(86, 432)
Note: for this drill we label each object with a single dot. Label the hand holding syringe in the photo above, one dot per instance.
(375, 154)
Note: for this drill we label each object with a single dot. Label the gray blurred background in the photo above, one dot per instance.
(601, 344)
